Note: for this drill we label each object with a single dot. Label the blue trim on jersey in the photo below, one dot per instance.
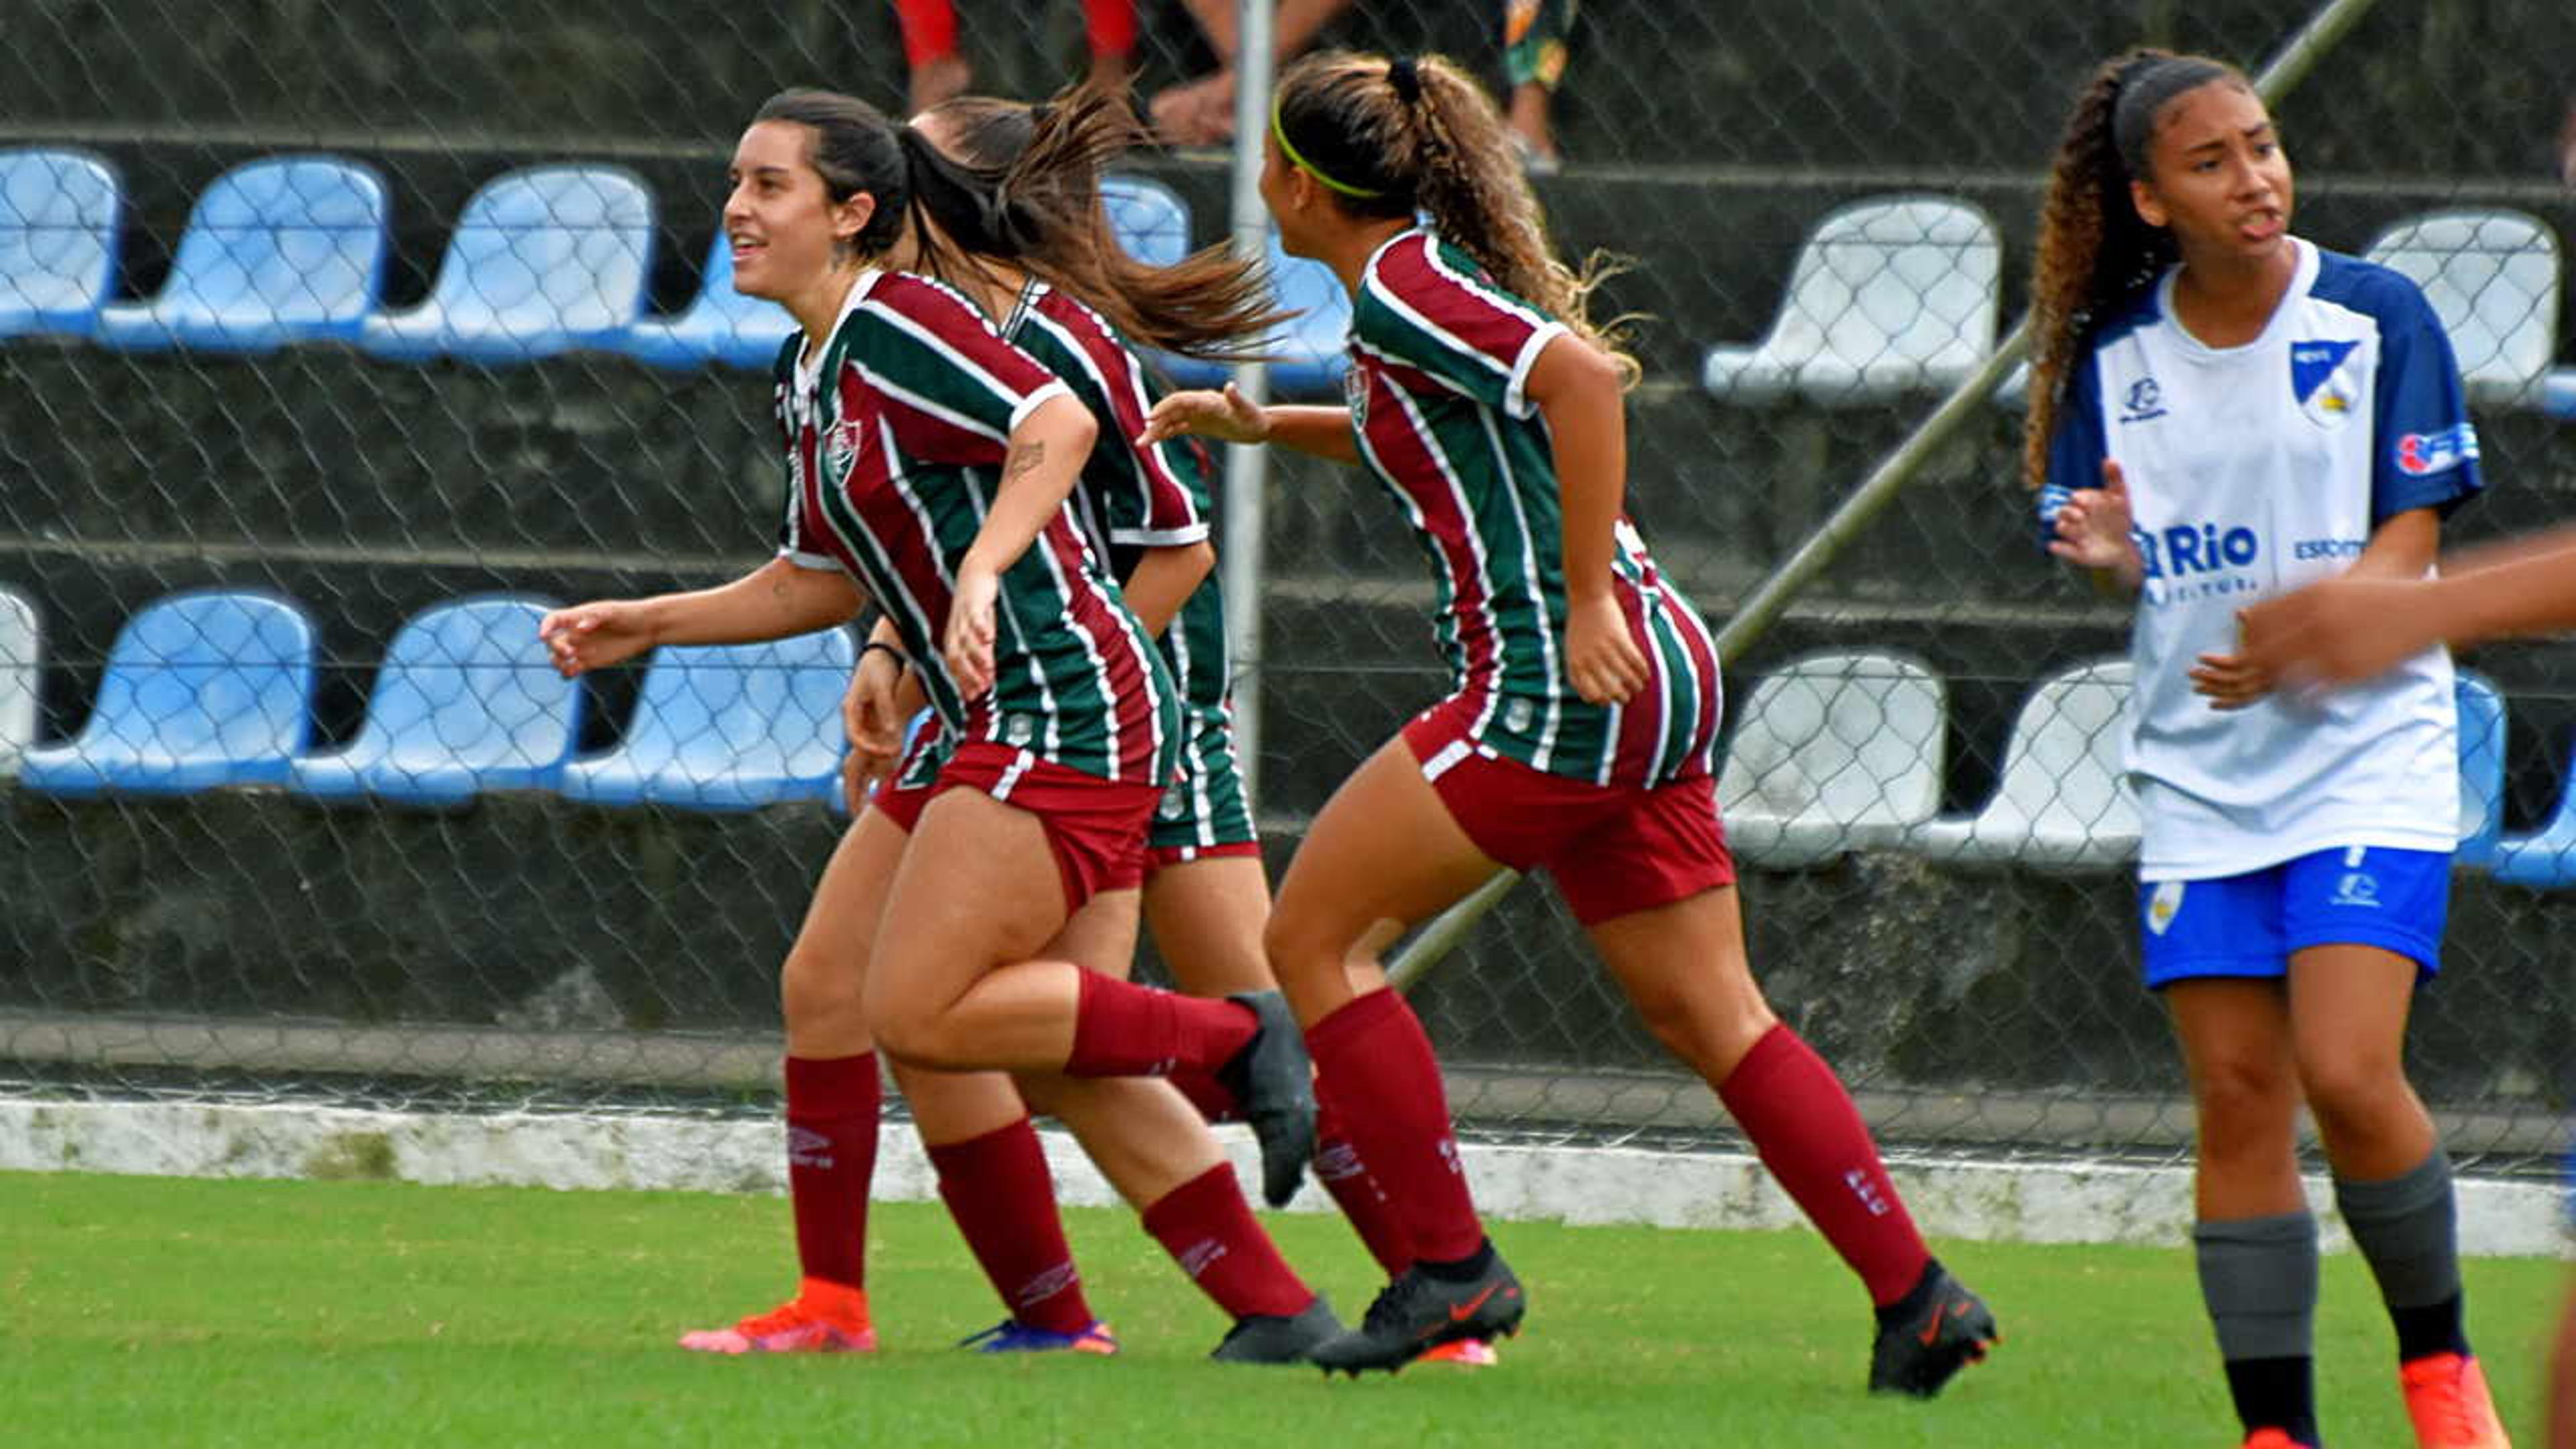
(2248, 925)
(2426, 449)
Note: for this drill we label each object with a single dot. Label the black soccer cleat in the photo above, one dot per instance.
(1275, 1082)
(1418, 1313)
(1278, 1338)
(1919, 1352)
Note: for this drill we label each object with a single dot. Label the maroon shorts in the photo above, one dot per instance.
(1614, 849)
(1095, 827)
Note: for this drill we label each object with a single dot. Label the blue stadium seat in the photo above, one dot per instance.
(1148, 218)
(722, 325)
(729, 727)
(2492, 277)
(2545, 859)
(543, 261)
(21, 642)
(1308, 352)
(2482, 735)
(59, 216)
(2558, 393)
(202, 690)
(466, 701)
(1889, 295)
(284, 250)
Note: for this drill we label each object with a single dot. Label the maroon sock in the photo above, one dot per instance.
(1209, 1230)
(999, 1193)
(1810, 1135)
(1124, 1030)
(1363, 1201)
(832, 1107)
(1214, 1099)
(1374, 1067)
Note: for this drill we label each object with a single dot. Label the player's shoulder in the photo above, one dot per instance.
(2357, 284)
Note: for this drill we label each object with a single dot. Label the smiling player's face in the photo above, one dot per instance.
(2220, 181)
(779, 218)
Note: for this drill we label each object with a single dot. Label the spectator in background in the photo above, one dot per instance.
(1534, 57)
(939, 71)
(1201, 112)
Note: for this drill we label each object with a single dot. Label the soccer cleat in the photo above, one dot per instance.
(2272, 1439)
(1918, 1356)
(1012, 1336)
(1418, 1313)
(823, 1317)
(1278, 1338)
(2446, 1397)
(1275, 1082)
(1464, 1352)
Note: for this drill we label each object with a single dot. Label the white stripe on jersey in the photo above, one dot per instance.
(864, 545)
(923, 405)
(1448, 339)
(1546, 626)
(960, 363)
(1475, 539)
(1133, 385)
(1409, 365)
(1019, 636)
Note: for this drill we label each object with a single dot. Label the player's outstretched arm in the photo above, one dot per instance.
(2356, 626)
(1230, 417)
(774, 601)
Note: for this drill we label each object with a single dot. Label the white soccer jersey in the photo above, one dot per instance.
(2253, 470)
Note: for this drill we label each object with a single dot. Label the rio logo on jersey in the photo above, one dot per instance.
(2186, 549)
(2421, 455)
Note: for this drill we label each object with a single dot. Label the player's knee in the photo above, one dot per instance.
(817, 990)
(2244, 1105)
(2352, 1089)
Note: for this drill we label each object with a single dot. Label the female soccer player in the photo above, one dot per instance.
(1579, 734)
(929, 466)
(1145, 510)
(2222, 411)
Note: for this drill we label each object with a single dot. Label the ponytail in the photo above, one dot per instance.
(1021, 184)
(1390, 138)
(2095, 252)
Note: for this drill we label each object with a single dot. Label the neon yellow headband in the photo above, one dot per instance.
(1279, 133)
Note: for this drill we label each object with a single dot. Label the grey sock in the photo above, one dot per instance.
(2407, 1227)
(2259, 1278)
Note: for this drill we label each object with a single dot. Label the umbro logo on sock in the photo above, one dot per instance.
(808, 1149)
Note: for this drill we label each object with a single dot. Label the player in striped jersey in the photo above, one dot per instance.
(1580, 733)
(1145, 510)
(2221, 410)
(928, 467)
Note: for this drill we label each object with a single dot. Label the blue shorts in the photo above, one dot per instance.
(2247, 925)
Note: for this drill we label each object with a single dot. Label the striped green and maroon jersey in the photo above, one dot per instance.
(1132, 496)
(1438, 393)
(895, 444)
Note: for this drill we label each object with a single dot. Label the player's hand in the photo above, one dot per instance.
(2230, 681)
(1228, 417)
(874, 723)
(2336, 631)
(596, 635)
(2093, 525)
(968, 645)
(1604, 664)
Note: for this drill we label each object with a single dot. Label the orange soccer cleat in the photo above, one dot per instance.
(2446, 1397)
(2271, 1439)
(823, 1317)
(1464, 1353)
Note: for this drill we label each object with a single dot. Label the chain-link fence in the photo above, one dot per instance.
(332, 335)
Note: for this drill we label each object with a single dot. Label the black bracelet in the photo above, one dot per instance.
(901, 662)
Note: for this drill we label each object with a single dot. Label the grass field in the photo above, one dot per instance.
(176, 1312)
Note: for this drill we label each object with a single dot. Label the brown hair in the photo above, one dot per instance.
(1021, 183)
(1394, 137)
(2095, 251)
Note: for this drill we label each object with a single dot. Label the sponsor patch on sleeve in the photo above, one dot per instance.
(2420, 455)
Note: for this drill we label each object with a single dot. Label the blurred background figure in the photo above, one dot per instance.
(1534, 58)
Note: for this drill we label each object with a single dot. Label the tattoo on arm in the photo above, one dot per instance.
(1026, 458)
